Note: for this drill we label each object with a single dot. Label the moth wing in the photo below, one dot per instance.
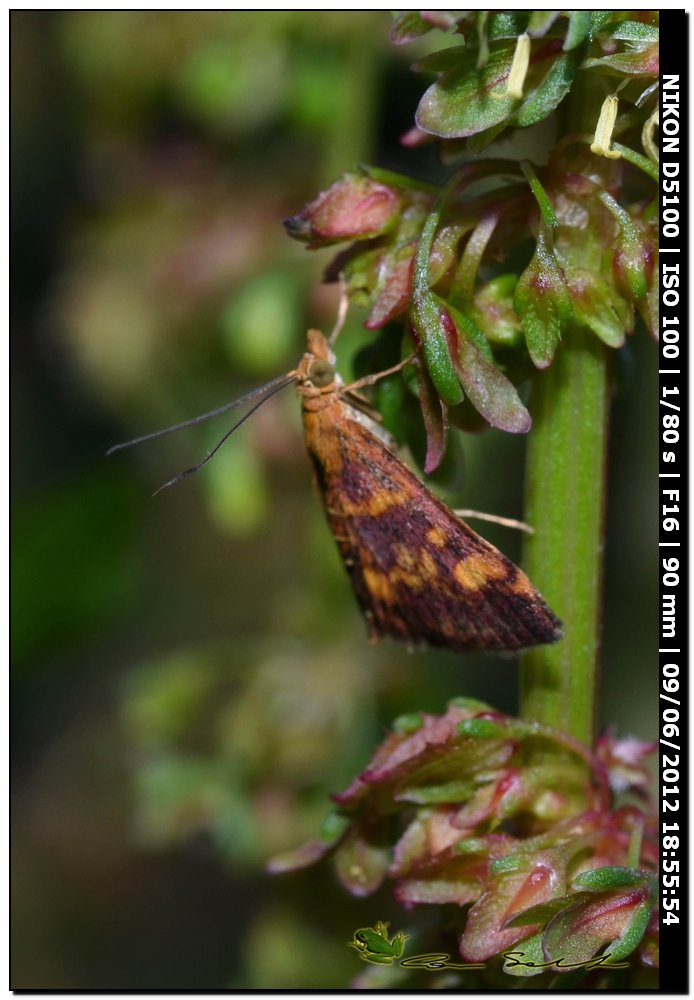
(421, 574)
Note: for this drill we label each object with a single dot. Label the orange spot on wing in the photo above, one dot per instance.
(436, 536)
(522, 585)
(475, 572)
(379, 585)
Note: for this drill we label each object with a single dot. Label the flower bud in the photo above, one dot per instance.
(355, 207)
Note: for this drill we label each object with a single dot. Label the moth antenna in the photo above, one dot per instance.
(371, 379)
(270, 388)
(341, 312)
(211, 454)
(507, 522)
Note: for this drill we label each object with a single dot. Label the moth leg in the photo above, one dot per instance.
(506, 522)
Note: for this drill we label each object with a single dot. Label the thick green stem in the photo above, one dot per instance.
(565, 499)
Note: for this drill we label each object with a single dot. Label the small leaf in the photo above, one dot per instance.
(460, 103)
(598, 20)
(640, 63)
(485, 729)
(456, 790)
(471, 705)
(391, 295)
(489, 391)
(408, 25)
(407, 724)
(526, 959)
(637, 32)
(300, 857)
(542, 301)
(611, 877)
(507, 24)
(425, 317)
(411, 24)
(553, 88)
(594, 306)
(614, 919)
(492, 311)
(334, 827)
(543, 912)
(540, 22)
(580, 24)
(435, 416)
(361, 865)
(466, 100)
(486, 931)
(453, 58)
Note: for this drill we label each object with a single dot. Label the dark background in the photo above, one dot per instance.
(190, 678)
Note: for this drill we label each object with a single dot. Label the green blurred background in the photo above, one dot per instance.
(190, 676)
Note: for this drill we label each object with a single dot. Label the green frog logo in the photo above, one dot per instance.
(374, 945)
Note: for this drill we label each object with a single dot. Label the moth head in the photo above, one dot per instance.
(321, 373)
(316, 371)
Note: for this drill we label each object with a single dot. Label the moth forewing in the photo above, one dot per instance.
(419, 573)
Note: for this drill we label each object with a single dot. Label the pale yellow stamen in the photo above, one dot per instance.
(647, 136)
(605, 127)
(519, 69)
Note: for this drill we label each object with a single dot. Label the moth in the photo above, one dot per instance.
(420, 574)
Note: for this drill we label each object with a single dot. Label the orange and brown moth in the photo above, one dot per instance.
(420, 574)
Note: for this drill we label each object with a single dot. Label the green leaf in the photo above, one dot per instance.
(484, 729)
(599, 18)
(394, 179)
(615, 919)
(457, 790)
(541, 197)
(425, 316)
(636, 31)
(544, 98)
(407, 724)
(611, 877)
(507, 24)
(543, 912)
(455, 57)
(594, 306)
(461, 104)
(580, 24)
(636, 63)
(334, 826)
(488, 389)
(361, 864)
(439, 891)
(541, 21)
(471, 704)
(631, 938)
(493, 312)
(529, 957)
(471, 330)
(542, 301)
(410, 24)
(407, 26)
(391, 295)
(434, 415)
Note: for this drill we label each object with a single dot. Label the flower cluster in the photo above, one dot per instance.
(485, 278)
(512, 821)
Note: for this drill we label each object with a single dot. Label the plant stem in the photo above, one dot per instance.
(565, 499)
